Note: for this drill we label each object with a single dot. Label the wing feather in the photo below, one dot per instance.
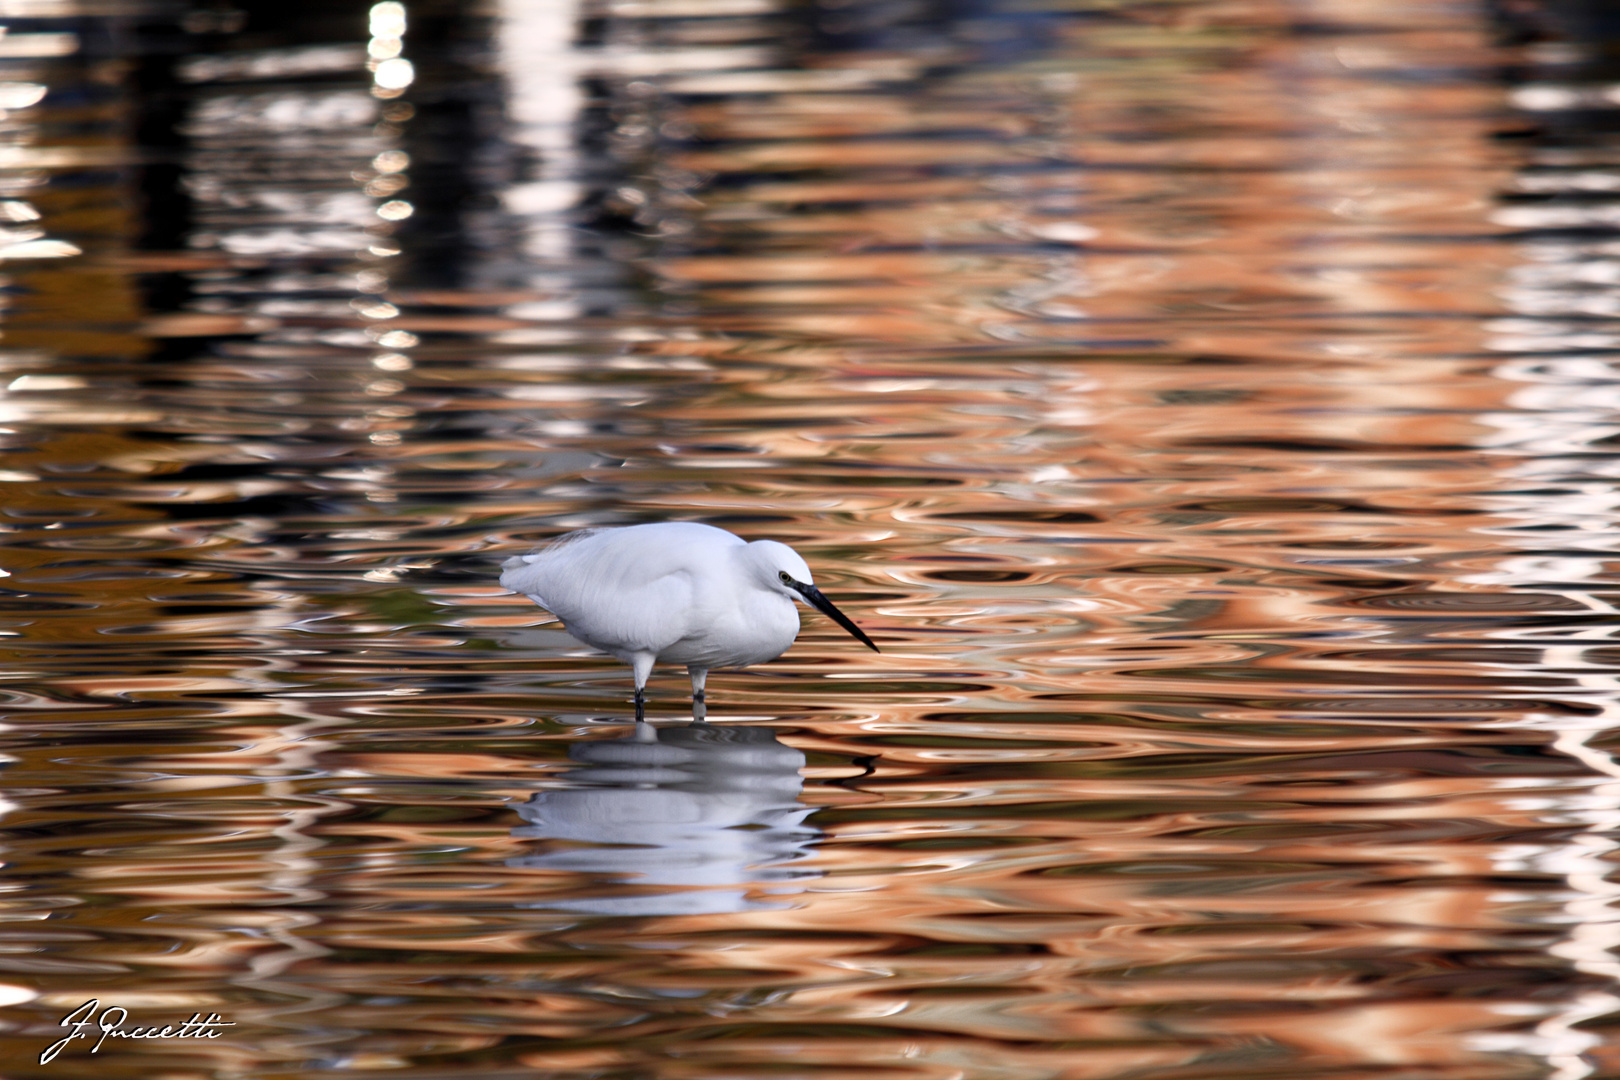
(614, 593)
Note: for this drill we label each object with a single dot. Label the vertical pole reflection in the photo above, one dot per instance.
(1558, 479)
(1594, 922)
(540, 64)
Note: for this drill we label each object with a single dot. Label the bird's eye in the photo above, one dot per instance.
(787, 578)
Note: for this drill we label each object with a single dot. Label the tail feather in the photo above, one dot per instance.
(521, 575)
(526, 573)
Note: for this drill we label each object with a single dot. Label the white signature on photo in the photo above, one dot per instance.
(91, 1021)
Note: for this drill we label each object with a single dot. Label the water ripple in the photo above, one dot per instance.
(1208, 412)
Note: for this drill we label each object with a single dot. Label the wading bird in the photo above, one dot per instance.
(676, 592)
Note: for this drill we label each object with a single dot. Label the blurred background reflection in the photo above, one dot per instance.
(1210, 406)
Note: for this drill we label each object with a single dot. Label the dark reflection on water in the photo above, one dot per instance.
(1208, 405)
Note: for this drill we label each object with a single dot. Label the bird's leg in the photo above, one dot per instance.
(642, 665)
(700, 711)
(645, 732)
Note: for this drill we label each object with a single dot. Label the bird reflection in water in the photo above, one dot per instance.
(710, 813)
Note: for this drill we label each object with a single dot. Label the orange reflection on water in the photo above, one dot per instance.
(1227, 490)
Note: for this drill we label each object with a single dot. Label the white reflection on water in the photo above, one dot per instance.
(1556, 492)
(1580, 513)
(714, 811)
(544, 101)
(10, 994)
(22, 89)
(302, 170)
(271, 171)
(390, 71)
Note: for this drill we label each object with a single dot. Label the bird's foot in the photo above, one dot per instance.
(700, 711)
(641, 705)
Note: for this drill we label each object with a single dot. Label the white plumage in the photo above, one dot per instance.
(676, 592)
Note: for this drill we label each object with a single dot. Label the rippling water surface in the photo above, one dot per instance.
(1209, 406)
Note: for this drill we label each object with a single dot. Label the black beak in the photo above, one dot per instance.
(813, 597)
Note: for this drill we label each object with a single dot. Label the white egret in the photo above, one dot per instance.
(676, 592)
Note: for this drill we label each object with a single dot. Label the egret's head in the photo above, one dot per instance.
(785, 572)
(780, 565)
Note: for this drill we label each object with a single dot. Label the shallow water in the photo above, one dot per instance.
(1209, 407)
